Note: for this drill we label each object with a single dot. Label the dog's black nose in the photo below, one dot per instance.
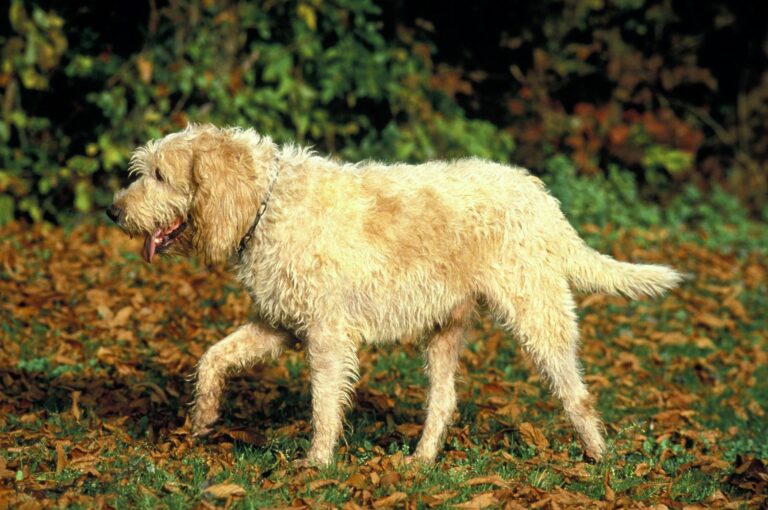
(115, 213)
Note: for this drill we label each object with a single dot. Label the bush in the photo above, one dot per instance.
(627, 91)
(717, 220)
(332, 80)
(675, 92)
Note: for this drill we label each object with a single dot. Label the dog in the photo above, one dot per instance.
(341, 255)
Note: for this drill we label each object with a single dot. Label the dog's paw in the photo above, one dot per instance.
(594, 454)
(201, 431)
(203, 420)
(418, 460)
(315, 458)
(594, 450)
(592, 457)
(303, 464)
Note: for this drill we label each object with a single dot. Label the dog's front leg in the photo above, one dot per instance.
(333, 365)
(239, 351)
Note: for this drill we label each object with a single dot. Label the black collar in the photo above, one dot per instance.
(260, 212)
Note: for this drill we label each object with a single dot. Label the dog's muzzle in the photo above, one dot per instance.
(116, 214)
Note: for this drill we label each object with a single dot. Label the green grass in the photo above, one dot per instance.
(682, 416)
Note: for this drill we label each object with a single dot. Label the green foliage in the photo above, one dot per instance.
(319, 73)
(29, 57)
(718, 220)
(599, 200)
(594, 90)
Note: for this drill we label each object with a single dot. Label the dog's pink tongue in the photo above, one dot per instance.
(148, 251)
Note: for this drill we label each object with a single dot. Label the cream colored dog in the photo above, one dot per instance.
(341, 255)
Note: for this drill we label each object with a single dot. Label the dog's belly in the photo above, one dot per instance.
(405, 309)
(372, 311)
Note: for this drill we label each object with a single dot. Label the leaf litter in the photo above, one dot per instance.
(97, 348)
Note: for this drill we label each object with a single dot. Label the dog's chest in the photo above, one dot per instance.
(276, 296)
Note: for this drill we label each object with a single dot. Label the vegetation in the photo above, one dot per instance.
(644, 117)
(98, 347)
(642, 86)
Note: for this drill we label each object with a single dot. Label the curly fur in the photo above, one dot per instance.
(350, 254)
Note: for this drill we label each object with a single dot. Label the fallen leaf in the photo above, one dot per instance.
(316, 484)
(61, 458)
(391, 500)
(357, 480)
(610, 494)
(642, 469)
(533, 436)
(225, 490)
(713, 321)
(390, 478)
(75, 408)
(433, 500)
(479, 502)
(488, 480)
(409, 429)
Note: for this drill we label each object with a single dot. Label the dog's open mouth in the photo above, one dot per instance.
(161, 239)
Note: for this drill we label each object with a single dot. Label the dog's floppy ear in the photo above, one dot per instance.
(229, 169)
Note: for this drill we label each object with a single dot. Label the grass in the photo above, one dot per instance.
(680, 382)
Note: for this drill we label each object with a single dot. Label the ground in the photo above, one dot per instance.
(96, 348)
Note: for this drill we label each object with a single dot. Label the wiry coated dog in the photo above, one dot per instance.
(340, 255)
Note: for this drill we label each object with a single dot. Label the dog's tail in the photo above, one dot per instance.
(590, 271)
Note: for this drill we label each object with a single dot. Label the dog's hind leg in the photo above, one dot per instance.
(442, 362)
(239, 351)
(544, 319)
(333, 365)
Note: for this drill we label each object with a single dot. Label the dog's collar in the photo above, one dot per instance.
(260, 212)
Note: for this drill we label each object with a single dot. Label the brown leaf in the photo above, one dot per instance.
(172, 487)
(713, 321)
(391, 500)
(75, 408)
(433, 500)
(484, 500)
(754, 275)
(737, 309)
(703, 342)
(225, 490)
(316, 484)
(396, 459)
(357, 480)
(673, 416)
(642, 469)
(409, 429)
(61, 457)
(488, 480)
(610, 494)
(671, 338)
(510, 410)
(533, 435)
(578, 471)
(245, 436)
(755, 408)
(711, 464)
(145, 69)
(121, 317)
(390, 478)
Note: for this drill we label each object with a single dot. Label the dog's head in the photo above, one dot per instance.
(196, 191)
